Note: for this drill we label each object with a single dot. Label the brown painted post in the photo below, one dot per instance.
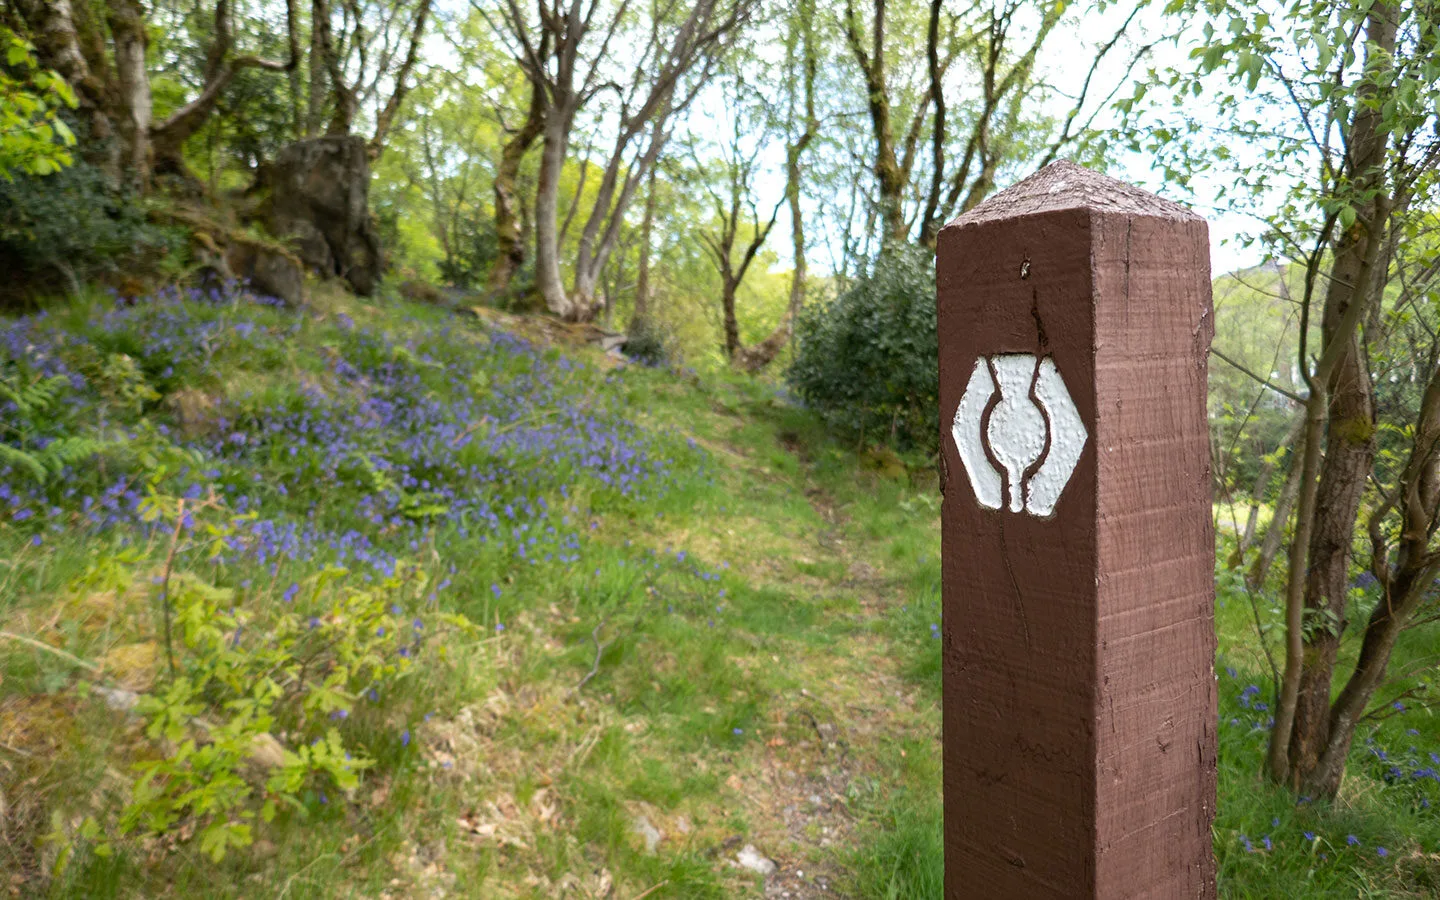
(1079, 639)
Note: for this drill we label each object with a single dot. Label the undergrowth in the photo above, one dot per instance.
(385, 601)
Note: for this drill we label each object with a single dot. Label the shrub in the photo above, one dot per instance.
(646, 343)
(75, 224)
(867, 360)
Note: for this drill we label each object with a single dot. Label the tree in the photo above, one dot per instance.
(556, 52)
(364, 57)
(1339, 102)
(739, 228)
(509, 233)
(801, 67)
(113, 88)
(1005, 85)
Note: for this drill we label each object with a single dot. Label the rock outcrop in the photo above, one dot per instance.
(319, 203)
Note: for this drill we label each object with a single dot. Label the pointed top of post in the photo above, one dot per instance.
(1065, 185)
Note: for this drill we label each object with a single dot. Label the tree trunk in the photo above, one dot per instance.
(639, 317)
(316, 92)
(344, 99)
(292, 76)
(1303, 721)
(1406, 584)
(1349, 456)
(1257, 494)
(890, 178)
(602, 226)
(732, 324)
(69, 41)
(754, 358)
(509, 240)
(547, 213)
(1275, 533)
(133, 103)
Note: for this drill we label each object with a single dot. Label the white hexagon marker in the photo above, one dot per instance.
(1018, 409)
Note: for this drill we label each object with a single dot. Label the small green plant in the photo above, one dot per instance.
(249, 723)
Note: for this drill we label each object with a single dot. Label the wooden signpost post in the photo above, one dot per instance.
(1079, 639)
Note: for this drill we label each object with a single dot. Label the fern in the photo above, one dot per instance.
(24, 462)
(34, 398)
(68, 451)
(32, 401)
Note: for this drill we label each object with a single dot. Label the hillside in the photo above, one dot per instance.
(380, 600)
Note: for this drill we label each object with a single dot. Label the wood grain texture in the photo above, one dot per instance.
(1080, 703)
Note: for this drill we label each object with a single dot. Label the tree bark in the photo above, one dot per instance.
(316, 91)
(1341, 404)
(1349, 457)
(890, 180)
(1257, 493)
(728, 287)
(132, 99)
(1275, 533)
(547, 212)
(344, 98)
(639, 318)
(509, 240)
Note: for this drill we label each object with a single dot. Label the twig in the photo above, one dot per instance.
(599, 651)
(650, 890)
(25, 753)
(1289, 395)
(55, 650)
(474, 427)
(165, 583)
(820, 735)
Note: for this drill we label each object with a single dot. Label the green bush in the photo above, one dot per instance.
(647, 343)
(867, 360)
(75, 224)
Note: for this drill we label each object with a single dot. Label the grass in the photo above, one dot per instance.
(645, 600)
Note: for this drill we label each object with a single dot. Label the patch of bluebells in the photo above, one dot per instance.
(400, 440)
(1415, 770)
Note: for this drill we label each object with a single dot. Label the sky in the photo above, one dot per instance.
(1226, 226)
(1066, 60)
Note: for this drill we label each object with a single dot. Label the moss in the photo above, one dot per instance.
(1356, 430)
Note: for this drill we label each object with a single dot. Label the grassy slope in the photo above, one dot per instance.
(761, 602)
